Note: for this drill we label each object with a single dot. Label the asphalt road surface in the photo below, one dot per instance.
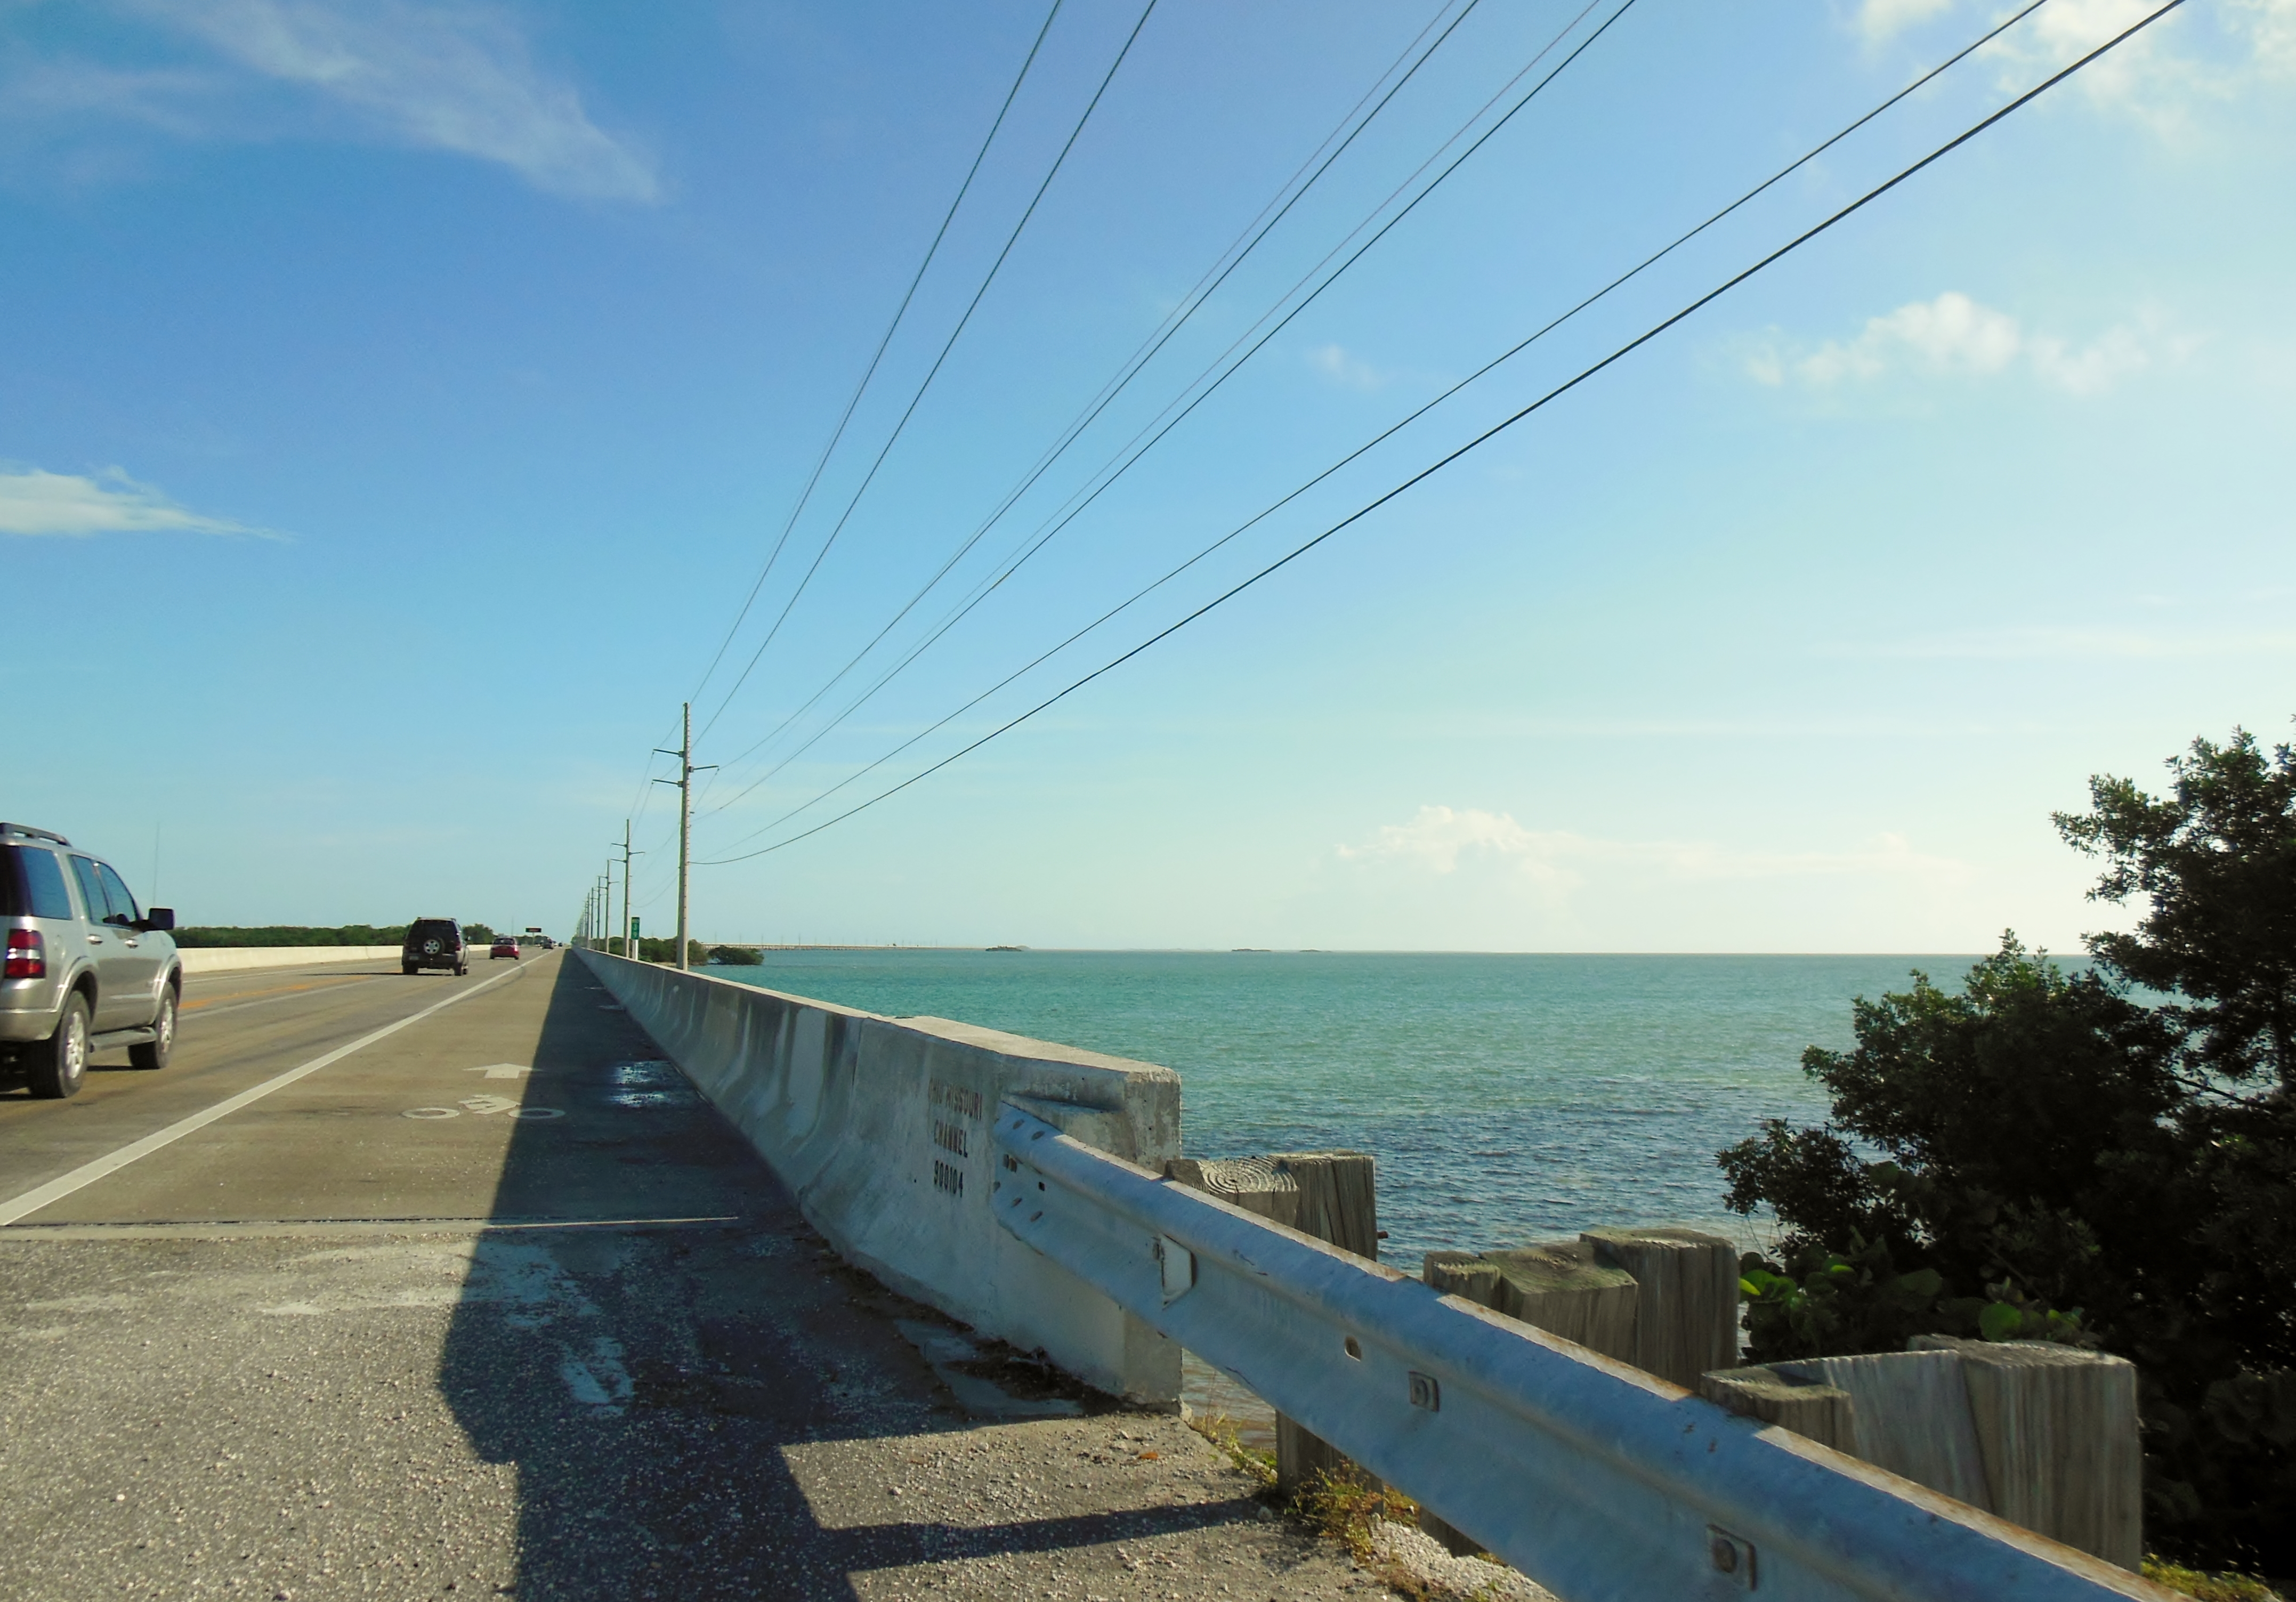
(409, 1287)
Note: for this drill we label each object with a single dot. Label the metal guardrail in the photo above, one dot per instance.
(1596, 1480)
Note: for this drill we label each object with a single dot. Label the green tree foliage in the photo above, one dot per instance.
(663, 949)
(2106, 1158)
(2216, 863)
(291, 934)
(735, 957)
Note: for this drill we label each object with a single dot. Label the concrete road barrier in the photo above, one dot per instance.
(880, 1127)
(219, 959)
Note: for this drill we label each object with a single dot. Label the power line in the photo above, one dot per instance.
(1076, 507)
(1377, 439)
(1222, 267)
(926, 382)
(1487, 434)
(870, 371)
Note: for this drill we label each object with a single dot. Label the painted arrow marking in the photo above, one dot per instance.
(500, 1070)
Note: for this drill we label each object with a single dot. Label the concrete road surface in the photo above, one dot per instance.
(412, 1287)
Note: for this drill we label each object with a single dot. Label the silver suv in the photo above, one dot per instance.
(86, 970)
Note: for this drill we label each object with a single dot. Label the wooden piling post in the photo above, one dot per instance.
(1330, 1195)
(1822, 1413)
(1560, 1287)
(2057, 1430)
(1687, 1323)
(2044, 1435)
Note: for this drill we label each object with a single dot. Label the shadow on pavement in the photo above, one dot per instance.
(659, 1386)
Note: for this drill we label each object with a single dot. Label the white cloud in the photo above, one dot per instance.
(1953, 335)
(2141, 76)
(1334, 362)
(2161, 75)
(1880, 19)
(2048, 643)
(1439, 838)
(2271, 29)
(33, 502)
(436, 74)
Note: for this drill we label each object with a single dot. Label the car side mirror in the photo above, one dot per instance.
(162, 918)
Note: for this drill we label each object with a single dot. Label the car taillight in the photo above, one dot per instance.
(28, 954)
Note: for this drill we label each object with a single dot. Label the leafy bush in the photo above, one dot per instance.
(2049, 1156)
(663, 948)
(735, 957)
(211, 936)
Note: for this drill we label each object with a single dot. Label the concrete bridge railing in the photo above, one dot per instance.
(225, 959)
(881, 1130)
(1020, 1186)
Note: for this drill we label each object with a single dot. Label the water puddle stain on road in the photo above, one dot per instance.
(650, 1084)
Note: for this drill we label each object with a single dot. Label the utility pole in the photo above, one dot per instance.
(684, 783)
(630, 941)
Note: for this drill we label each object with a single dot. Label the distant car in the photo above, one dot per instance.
(86, 970)
(504, 946)
(433, 943)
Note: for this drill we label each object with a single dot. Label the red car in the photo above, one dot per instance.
(504, 946)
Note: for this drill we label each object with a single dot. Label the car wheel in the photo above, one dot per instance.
(154, 1053)
(407, 967)
(462, 969)
(62, 1061)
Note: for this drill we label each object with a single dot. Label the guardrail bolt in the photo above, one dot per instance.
(1425, 1393)
(1731, 1556)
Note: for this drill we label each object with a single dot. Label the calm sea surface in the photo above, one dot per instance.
(1507, 1098)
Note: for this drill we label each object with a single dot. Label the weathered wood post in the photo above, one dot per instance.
(2044, 1435)
(1331, 1195)
(1560, 1287)
(1688, 1322)
(1665, 1300)
(2057, 1429)
(1821, 1412)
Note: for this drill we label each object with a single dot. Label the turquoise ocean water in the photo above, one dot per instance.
(1507, 1098)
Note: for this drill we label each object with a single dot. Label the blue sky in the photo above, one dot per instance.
(400, 398)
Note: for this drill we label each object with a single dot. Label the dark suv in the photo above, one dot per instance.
(86, 969)
(433, 943)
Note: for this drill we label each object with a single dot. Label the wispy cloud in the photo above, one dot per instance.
(2042, 643)
(2159, 76)
(1883, 18)
(1953, 335)
(1335, 363)
(33, 503)
(433, 74)
(1441, 839)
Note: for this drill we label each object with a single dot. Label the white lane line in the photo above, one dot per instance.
(218, 1009)
(89, 1173)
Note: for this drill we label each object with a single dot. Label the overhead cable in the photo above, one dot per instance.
(1230, 259)
(931, 372)
(1486, 435)
(1374, 441)
(1076, 507)
(870, 371)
